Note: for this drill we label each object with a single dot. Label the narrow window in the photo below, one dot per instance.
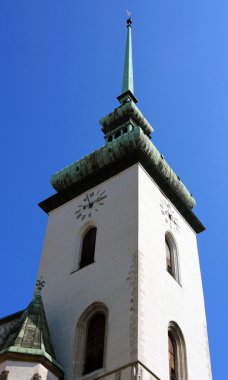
(177, 353)
(172, 360)
(88, 247)
(95, 344)
(172, 264)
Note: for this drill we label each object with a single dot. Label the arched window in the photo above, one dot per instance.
(177, 353)
(172, 264)
(94, 352)
(88, 247)
(90, 339)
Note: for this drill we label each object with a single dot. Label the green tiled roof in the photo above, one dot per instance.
(31, 335)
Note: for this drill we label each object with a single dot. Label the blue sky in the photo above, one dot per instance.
(61, 67)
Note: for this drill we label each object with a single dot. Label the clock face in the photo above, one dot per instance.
(170, 215)
(90, 204)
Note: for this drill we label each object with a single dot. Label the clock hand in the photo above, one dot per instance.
(90, 204)
(171, 217)
(99, 199)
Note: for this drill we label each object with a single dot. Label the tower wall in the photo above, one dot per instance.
(129, 277)
(161, 298)
(111, 280)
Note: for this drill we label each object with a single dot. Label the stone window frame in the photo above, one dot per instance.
(81, 337)
(176, 335)
(175, 264)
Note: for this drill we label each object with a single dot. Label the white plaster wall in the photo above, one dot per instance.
(111, 279)
(19, 370)
(161, 298)
(130, 228)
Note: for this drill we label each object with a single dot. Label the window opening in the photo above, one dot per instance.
(117, 134)
(95, 344)
(88, 247)
(172, 262)
(177, 353)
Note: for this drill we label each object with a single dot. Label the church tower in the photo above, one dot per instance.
(123, 295)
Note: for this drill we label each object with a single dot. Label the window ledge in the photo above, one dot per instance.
(76, 270)
(174, 278)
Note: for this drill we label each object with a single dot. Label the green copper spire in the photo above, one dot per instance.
(128, 78)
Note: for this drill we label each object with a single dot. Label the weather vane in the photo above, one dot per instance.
(39, 285)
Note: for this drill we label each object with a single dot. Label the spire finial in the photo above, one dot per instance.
(39, 285)
(128, 80)
(129, 20)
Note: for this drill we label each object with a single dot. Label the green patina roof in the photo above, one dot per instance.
(116, 150)
(31, 335)
(126, 114)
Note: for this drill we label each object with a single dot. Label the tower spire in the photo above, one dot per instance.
(128, 78)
